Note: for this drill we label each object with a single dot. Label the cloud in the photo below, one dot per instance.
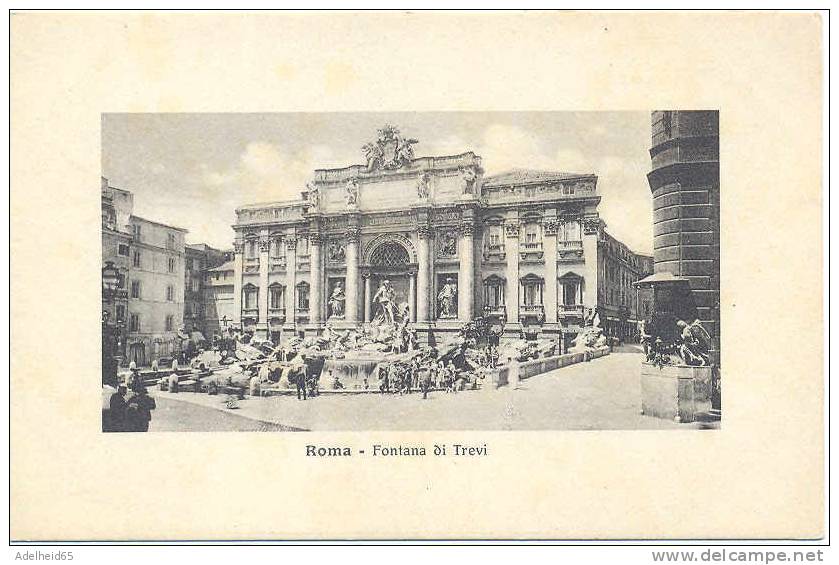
(266, 172)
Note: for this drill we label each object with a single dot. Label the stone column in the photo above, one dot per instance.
(367, 297)
(511, 248)
(591, 230)
(423, 273)
(466, 272)
(262, 303)
(412, 296)
(290, 279)
(238, 250)
(351, 310)
(315, 276)
(549, 231)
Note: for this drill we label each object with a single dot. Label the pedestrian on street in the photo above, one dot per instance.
(116, 407)
(138, 411)
(299, 364)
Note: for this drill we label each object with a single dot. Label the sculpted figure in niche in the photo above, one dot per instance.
(447, 299)
(385, 301)
(337, 300)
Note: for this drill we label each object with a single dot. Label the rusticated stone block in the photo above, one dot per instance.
(675, 392)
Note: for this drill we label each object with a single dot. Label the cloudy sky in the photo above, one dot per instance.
(193, 170)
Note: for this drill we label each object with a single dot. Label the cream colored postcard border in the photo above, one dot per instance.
(759, 476)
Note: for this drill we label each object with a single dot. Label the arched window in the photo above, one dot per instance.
(303, 296)
(389, 254)
(572, 289)
(532, 287)
(493, 292)
(276, 298)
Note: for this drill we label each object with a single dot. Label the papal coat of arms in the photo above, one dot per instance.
(389, 151)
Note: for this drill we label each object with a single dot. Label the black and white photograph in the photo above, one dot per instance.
(410, 271)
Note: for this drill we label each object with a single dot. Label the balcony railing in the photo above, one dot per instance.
(571, 310)
(495, 310)
(532, 311)
(569, 244)
(276, 312)
(250, 313)
(495, 251)
(531, 246)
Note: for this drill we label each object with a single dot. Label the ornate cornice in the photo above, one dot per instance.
(550, 226)
(424, 231)
(591, 225)
(467, 229)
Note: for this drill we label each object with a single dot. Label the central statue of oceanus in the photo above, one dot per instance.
(389, 151)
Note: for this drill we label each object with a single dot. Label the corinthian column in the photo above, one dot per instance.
(351, 311)
(423, 273)
(549, 230)
(511, 247)
(290, 279)
(262, 315)
(466, 272)
(591, 233)
(238, 249)
(315, 275)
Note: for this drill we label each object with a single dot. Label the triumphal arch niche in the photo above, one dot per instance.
(422, 240)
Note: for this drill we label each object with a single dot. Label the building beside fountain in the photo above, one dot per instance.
(430, 239)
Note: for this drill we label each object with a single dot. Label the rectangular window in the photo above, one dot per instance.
(137, 233)
(123, 250)
(170, 322)
(120, 312)
(134, 323)
(170, 293)
(136, 261)
(170, 241)
(171, 264)
(135, 289)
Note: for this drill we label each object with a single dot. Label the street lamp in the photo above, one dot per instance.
(110, 280)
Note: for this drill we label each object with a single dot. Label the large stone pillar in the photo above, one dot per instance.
(466, 272)
(591, 230)
(316, 276)
(549, 231)
(238, 250)
(262, 302)
(367, 298)
(423, 273)
(351, 310)
(291, 280)
(412, 297)
(511, 248)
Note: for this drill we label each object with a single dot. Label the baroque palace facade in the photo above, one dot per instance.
(452, 245)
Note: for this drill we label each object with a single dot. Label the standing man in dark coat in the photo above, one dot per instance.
(117, 410)
(138, 411)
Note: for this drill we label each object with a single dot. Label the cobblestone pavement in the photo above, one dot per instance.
(603, 394)
(174, 416)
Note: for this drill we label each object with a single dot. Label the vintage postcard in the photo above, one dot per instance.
(459, 282)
